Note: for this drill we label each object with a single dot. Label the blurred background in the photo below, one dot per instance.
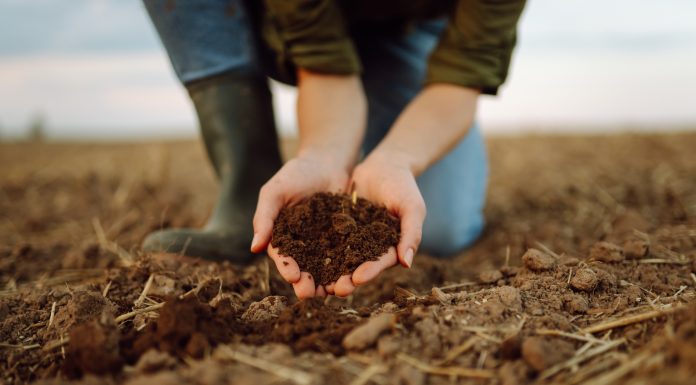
(94, 69)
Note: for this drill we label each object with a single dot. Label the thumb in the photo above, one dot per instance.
(411, 232)
(267, 210)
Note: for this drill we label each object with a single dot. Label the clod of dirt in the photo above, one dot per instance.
(330, 236)
(575, 303)
(606, 279)
(84, 306)
(584, 279)
(537, 260)
(208, 289)
(93, 348)
(510, 297)
(310, 325)
(366, 334)
(490, 276)
(542, 353)
(636, 248)
(606, 252)
(265, 310)
(185, 327)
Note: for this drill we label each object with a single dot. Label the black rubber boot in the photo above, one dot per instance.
(238, 128)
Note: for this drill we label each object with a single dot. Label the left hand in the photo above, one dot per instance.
(387, 179)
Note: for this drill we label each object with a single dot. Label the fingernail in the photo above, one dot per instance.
(408, 257)
(254, 242)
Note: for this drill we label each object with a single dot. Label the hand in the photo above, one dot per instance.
(297, 179)
(387, 179)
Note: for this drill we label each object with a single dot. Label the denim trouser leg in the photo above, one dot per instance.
(454, 188)
(206, 37)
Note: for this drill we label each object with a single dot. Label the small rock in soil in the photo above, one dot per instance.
(367, 333)
(537, 260)
(606, 252)
(636, 248)
(584, 279)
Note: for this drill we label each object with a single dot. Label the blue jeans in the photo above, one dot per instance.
(211, 37)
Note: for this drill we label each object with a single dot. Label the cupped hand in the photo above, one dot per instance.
(381, 180)
(296, 180)
(387, 180)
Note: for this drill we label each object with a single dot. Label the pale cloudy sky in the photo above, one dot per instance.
(95, 68)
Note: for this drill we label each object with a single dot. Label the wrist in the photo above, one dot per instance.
(333, 157)
(394, 157)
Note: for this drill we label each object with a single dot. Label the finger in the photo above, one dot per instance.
(411, 231)
(367, 271)
(320, 292)
(267, 210)
(304, 288)
(287, 267)
(330, 288)
(344, 286)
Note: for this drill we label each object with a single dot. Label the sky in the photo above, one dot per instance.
(96, 69)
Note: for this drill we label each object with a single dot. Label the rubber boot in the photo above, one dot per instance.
(238, 129)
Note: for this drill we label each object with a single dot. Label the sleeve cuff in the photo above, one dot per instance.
(483, 70)
(333, 57)
(311, 34)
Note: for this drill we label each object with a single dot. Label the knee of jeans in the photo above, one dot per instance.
(445, 237)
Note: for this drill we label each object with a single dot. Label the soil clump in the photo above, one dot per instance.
(329, 235)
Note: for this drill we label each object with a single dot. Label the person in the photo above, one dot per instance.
(387, 94)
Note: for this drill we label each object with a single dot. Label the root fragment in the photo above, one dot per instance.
(367, 374)
(291, 374)
(146, 289)
(451, 371)
(579, 359)
(127, 316)
(602, 326)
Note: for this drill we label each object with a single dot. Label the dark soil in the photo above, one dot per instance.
(330, 236)
(580, 231)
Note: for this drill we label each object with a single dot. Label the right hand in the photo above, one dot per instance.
(297, 179)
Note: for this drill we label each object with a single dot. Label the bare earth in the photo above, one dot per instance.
(584, 275)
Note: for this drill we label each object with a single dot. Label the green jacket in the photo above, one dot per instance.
(474, 50)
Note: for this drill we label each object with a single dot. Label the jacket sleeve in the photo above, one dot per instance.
(312, 35)
(476, 47)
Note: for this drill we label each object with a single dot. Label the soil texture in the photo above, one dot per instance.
(330, 235)
(586, 274)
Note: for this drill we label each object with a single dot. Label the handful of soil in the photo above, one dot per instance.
(330, 236)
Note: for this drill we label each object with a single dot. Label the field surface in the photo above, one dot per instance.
(585, 274)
